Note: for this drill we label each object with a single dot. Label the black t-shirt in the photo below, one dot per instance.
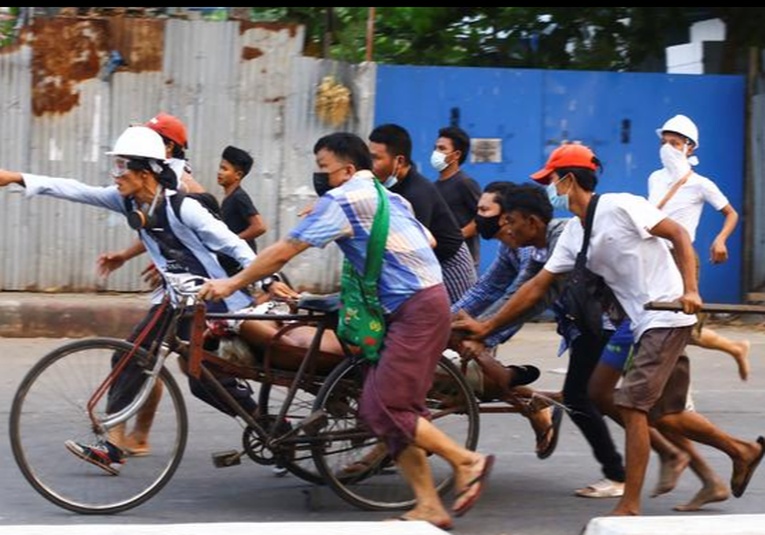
(431, 210)
(461, 193)
(236, 210)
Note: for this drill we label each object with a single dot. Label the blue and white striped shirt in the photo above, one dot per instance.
(345, 215)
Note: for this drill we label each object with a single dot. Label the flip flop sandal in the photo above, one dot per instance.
(480, 480)
(557, 419)
(738, 487)
(605, 488)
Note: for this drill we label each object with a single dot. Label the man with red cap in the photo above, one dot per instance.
(626, 250)
(176, 139)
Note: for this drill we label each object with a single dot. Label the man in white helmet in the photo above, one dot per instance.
(179, 239)
(680, 192)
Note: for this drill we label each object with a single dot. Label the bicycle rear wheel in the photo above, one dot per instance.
(50, 407)
(354, 462)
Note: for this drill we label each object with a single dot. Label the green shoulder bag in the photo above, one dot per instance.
(362, 322)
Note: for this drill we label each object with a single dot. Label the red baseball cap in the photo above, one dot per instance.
(169, 126)
(570, 155)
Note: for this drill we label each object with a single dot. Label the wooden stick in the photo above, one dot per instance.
(729, 308)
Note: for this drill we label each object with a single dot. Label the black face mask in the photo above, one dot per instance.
(487, 226)
(321, 183)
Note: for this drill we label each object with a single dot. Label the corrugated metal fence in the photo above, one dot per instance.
(63, 102)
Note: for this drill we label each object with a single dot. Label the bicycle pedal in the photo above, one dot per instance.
(313, 423)
(222, 459)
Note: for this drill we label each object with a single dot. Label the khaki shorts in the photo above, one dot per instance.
(658, 381)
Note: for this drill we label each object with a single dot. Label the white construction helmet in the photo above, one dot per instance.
(680, 124)
(139, 142)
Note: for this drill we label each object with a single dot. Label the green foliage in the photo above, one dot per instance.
(8, 16)
(593, 38)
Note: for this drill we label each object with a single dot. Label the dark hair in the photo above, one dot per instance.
(178, 150)
(166, 176)
(586, 178)
(460, 140)
(500, 189)
(346, 147)
(395, 138)
(529, 199)
(239, 158)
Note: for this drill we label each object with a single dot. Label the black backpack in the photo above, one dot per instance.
(208, 200)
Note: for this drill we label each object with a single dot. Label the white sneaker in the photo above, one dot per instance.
(605, 488)
(278, 470)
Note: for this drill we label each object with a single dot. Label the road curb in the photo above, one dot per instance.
(27, 315)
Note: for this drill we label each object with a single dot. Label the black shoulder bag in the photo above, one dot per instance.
(587, 297)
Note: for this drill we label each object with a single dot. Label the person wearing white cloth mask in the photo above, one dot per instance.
(680, 192)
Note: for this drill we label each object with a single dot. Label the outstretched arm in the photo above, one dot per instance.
(10, 177)
(526, 297)
(718, 253)
(270, 260)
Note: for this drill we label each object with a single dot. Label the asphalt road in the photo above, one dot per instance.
(526, 496)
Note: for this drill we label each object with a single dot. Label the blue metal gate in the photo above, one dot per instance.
(530, 112)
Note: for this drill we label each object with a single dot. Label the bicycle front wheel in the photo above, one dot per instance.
(50, 407)
(355, 463)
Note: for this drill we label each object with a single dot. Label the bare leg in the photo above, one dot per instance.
(713, 488)
(467, 466)
(415, 468)
(673, 462)
(638, 448)
(738, 349)
(137, 441)
(694, 426)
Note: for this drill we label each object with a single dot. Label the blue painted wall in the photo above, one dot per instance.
(616, 114)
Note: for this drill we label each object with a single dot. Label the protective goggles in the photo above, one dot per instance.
(120, 166)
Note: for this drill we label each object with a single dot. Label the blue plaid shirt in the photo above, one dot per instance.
(345, 215)
(503, 278)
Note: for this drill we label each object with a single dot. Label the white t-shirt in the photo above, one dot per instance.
(636, 265)
(686, 204)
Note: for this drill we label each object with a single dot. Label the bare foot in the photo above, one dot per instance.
(438, 516)
(669, 473)
(138, 447)
(742, 358)
(714, 491)
(541, 423)
(622, 511)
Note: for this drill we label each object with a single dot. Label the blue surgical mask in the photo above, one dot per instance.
(559, 202)
(390, 181)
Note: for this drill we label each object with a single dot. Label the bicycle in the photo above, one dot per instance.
(307, 421)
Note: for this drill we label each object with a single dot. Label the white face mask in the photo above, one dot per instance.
(674, 161)
(392, 179)
(438, 161)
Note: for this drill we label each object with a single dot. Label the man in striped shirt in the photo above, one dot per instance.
(416, 305)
